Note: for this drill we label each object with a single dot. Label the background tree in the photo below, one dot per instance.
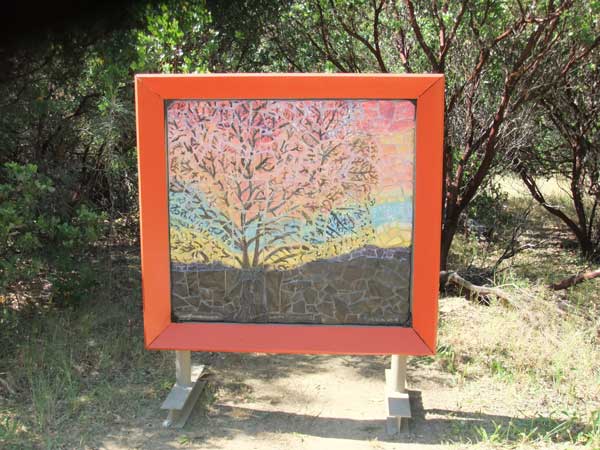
(491, 53)
(566, 144)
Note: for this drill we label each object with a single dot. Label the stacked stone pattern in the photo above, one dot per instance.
(370, 286)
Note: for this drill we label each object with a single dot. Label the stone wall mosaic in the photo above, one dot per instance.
(361, 290)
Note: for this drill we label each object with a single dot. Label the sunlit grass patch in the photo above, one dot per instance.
(543, 354)
(78, 371)
(545, 363)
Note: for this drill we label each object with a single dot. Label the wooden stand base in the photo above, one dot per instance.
(185, 392)
(189, 385)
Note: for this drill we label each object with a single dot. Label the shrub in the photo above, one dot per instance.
(488, 215)
(43, 236)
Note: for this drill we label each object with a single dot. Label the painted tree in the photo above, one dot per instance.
(270, 179)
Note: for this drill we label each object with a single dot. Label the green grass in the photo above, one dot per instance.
(79, 370)
(566, 428)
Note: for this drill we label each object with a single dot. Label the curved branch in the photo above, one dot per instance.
(575, 279)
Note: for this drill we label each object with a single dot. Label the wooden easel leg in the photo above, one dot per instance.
(397, 398)
(183, 368)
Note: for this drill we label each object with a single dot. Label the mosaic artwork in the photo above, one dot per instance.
(291, 211)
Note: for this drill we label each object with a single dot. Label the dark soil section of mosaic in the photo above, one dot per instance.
(352, 289)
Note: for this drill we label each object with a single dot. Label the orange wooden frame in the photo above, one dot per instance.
(161, 333)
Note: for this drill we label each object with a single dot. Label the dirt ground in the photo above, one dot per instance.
(258, 401)
(295, 401)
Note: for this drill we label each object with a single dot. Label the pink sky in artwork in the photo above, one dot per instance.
(257, 161)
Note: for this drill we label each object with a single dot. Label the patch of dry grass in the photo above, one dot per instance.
(547, 350)
(74, 369)
(541, 345)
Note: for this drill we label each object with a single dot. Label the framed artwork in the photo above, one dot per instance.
(291, 213)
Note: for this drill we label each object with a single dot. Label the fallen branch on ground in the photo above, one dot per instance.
(481, 293)
(575, 279)
(7, 386)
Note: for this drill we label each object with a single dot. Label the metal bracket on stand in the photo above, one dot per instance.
(398, 402)
(185, 391)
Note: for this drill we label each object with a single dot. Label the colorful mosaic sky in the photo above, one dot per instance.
(249, 178)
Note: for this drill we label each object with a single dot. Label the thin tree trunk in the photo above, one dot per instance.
(449, 229)
(580, 230)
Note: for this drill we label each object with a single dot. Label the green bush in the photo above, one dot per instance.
(489, 215)
(43, 237)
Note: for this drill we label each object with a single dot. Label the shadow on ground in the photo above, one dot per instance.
(428, 426)
(246, 404)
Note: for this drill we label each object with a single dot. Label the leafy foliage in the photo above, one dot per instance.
(67, 97)
(39, 236)
(178, 38)
(488, 210)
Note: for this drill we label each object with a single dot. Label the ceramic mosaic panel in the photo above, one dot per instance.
(291, 211)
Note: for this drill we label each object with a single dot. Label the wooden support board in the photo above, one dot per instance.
(185, 391)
